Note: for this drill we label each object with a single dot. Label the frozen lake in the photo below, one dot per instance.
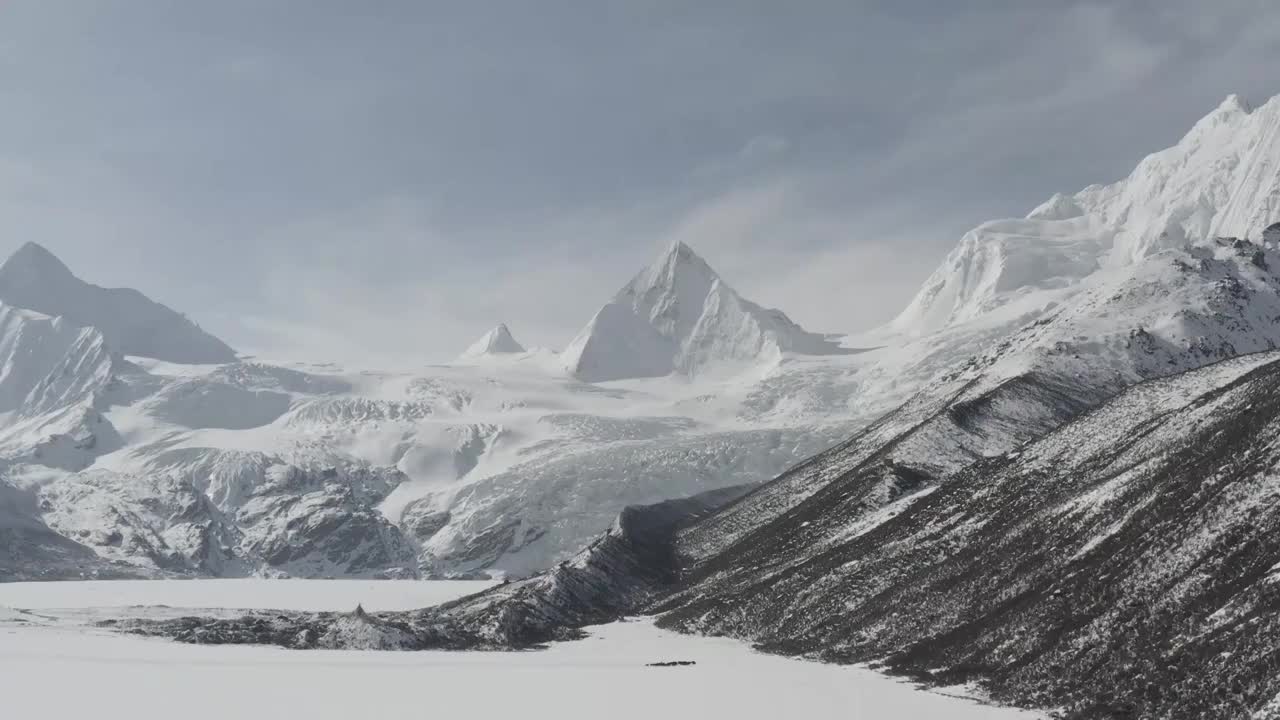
(317, 595)
(53, 666)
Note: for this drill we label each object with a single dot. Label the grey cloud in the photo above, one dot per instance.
(383, 181)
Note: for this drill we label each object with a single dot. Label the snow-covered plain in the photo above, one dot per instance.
(44, 653)
(242, 593)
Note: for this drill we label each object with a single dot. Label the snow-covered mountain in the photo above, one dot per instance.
(34, 279)
(511, 460)
(678, 316)
(54, 378)
(1076, 509)
(501, 461)
(1221, 180)
(497, 341)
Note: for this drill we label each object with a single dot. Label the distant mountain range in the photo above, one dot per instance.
(134, 443)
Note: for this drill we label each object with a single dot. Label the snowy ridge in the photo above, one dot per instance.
(1221, 180)
(678, 316)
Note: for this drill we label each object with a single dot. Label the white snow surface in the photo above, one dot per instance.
(44, 651)
(238, 593)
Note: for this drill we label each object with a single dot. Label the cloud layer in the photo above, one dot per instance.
(317, 179)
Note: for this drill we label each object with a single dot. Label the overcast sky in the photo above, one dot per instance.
(382, 181)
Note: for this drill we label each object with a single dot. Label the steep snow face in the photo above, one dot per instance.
(1032, 263)
(1221, 180)
(678, 316)
(497, 341)
(53, 376)
(47, 363)
(33, 278)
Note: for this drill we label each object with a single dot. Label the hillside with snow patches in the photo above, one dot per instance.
(133, 443)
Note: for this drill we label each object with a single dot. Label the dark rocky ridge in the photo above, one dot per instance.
(1119, 567)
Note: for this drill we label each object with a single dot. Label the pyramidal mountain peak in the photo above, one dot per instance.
(678, 316)
(1235, 101)
(678, 257)
(498, 341)
(34, 259)
(33, 278)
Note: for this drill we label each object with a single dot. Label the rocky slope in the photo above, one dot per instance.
(1120, 566)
